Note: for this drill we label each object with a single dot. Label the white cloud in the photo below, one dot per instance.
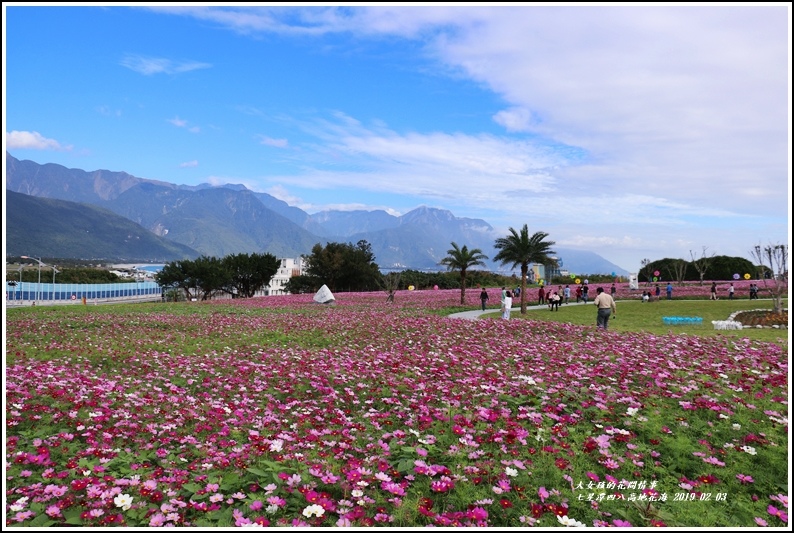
(32, 140)
(158, 65)
(179, 123)
(269, 141)
(189, 164)
(514, 119)
(282, 194)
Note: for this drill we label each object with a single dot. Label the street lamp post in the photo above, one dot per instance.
(54, 271)
(38, 260)
(20, 269)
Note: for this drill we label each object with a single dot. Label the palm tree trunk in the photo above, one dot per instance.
(524, 270)
(462, 287)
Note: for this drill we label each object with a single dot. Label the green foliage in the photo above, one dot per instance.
(250, 272)
(344, 267)
(302, 284)
(461, 259)
(30, 274)
(241, 274)
(519, 248)
(720, 267)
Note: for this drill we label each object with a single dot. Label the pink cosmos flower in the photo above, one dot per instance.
(760, 521)
(774, 511)
(543, 493)
(713, 461)
(744, 479)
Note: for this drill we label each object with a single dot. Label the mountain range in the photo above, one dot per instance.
(54, 211)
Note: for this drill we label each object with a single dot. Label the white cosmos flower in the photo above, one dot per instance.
(124, 501)
(512, 472)
(569, 522)
(749, 449)
(313, 510)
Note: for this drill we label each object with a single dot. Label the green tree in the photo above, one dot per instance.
(344, 267)
(519, 249)
(210, 276)
(302, 284)
(250, 273)
(461, 259)
(176, 275)
(204, 276)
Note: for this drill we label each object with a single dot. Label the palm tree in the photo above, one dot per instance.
(461, 259)
(521, 249)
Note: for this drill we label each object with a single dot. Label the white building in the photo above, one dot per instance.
(289, 267)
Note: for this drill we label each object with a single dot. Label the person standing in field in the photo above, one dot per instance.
(484, 298)
(713, 291)
(606, 307)
(669, 291)
(541, 296)
(578, 293)
(730, 292)
(507, 306)
(566, 294)
(554, 302)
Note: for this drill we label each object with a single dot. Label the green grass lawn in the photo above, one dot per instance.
(635, 316)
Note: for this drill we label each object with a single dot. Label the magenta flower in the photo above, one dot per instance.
(744, 479)
(774, 511)
(543, 494)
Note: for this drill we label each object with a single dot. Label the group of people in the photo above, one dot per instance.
(732, 291)
(603, 301)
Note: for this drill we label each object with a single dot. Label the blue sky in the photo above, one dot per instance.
(646, 131)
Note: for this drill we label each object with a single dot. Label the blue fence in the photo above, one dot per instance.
(30, 292)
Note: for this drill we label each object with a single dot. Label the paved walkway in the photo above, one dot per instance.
(473, 315)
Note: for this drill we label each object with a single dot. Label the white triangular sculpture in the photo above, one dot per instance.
(324, 295)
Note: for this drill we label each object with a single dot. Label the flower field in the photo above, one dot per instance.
(280, 412)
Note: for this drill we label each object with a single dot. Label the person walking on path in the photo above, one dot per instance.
(713, 291)
(606, 307)
(541, 296)
(566, 294)
(658, 291)
(585, 290)
(578, 293)
(507, 306)
(612, 291)
(484, 298)
(669, 291)
(730, 292)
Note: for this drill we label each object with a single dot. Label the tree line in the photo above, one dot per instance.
(239, 275)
